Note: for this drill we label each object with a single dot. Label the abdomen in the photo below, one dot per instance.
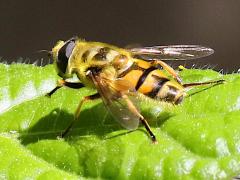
(152, 82)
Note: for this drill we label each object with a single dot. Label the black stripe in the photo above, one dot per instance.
(157, 88)
(144, 76)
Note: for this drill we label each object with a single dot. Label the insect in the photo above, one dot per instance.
(120, 75)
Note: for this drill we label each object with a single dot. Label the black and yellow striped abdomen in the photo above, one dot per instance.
(153, 82)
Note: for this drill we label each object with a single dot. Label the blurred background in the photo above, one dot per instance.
(28, 26)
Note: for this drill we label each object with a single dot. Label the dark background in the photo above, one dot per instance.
(28, 26)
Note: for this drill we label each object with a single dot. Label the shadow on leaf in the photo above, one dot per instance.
(92, 121)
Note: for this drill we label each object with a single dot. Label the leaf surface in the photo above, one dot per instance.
(199, 139)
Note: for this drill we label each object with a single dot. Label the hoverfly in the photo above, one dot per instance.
(120, 75)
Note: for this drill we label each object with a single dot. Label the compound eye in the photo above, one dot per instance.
(63, 55)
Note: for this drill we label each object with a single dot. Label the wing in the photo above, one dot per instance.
(112, 93)
(172, 52)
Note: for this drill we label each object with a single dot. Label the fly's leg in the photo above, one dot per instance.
(78, 110)
(134, 110)
(203, 83)
(169, 69)
(62, 83)
(214, 83)
(147, 127)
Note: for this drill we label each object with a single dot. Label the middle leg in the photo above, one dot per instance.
(78, 110)
(134, 110)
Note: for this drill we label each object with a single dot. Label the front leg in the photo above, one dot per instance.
(62, 82)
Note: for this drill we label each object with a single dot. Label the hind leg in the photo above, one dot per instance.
(189, 85)
(168, 68)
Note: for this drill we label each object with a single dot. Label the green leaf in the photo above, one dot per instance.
(19, 163)
(199, 139)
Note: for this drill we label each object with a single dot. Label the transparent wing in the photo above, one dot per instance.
(112, 93)
(172, 52)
